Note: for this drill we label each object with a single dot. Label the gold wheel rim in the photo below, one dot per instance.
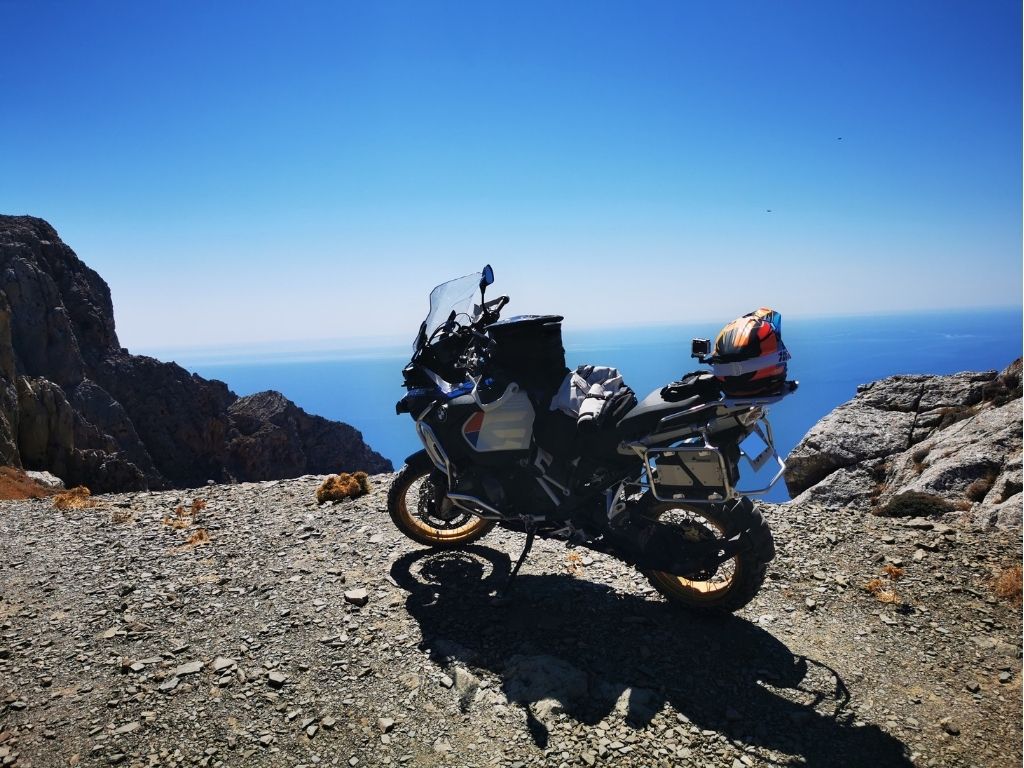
(440, 535)
(697, 590)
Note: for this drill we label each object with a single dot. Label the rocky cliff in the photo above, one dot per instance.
(74, 402)
(954, 440)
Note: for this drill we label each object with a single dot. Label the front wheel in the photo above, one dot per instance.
(422, 511)
(736, 581)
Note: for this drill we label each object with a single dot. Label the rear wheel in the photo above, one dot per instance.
(737, 580)
(420, 509)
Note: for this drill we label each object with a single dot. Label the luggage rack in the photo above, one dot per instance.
(696, 471)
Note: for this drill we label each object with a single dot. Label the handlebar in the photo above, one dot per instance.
(492, 310)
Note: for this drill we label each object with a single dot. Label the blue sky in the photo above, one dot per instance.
(262, 172)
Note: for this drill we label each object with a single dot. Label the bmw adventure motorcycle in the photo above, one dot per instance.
(512, 438)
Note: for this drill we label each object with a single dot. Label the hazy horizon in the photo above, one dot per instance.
(261, 172)
(399, 347)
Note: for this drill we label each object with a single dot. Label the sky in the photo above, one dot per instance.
(266, 172)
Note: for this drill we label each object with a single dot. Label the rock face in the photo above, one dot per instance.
(276, 438)
(75, 403)
(957, 437)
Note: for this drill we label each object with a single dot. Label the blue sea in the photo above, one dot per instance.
(831, 356)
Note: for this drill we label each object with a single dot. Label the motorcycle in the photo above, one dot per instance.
(512, 438)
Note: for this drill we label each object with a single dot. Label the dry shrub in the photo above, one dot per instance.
(881, 587)
(182, 517)
(953, 414)
(76, 498)
(343, 486)
(978, 490)
(1009, 584)
(574, 563)
(1006, 386)
(121, 515)
(199, 536)
(894, 572)
(876, 491)
(918, 457)
(915, 504)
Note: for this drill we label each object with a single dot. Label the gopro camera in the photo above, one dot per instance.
(700, 348)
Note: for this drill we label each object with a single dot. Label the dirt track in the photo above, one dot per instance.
(122, 644)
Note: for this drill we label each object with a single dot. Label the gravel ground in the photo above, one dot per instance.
(304, 635)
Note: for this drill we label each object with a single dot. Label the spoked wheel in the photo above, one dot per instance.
(420, 509)
(737, 580)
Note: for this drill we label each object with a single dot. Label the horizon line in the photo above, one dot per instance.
(385, 345)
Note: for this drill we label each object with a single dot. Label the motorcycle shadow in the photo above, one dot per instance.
(561, 644)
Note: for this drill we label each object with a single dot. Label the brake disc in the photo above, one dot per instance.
(436, 509)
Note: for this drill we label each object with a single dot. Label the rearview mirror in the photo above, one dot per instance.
(486, 276)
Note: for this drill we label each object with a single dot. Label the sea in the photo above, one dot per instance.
(831, 356)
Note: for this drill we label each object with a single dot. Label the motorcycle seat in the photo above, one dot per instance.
(644, 418)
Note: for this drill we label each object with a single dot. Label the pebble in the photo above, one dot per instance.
(919, 523)
(190, 668)
(358, 597)
(276, 679)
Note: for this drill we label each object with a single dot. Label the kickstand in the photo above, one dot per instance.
(507, 587)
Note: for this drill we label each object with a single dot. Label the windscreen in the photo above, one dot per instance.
(459, 296)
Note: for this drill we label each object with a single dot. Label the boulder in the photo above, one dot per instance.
(46, 479)
(957, 437)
